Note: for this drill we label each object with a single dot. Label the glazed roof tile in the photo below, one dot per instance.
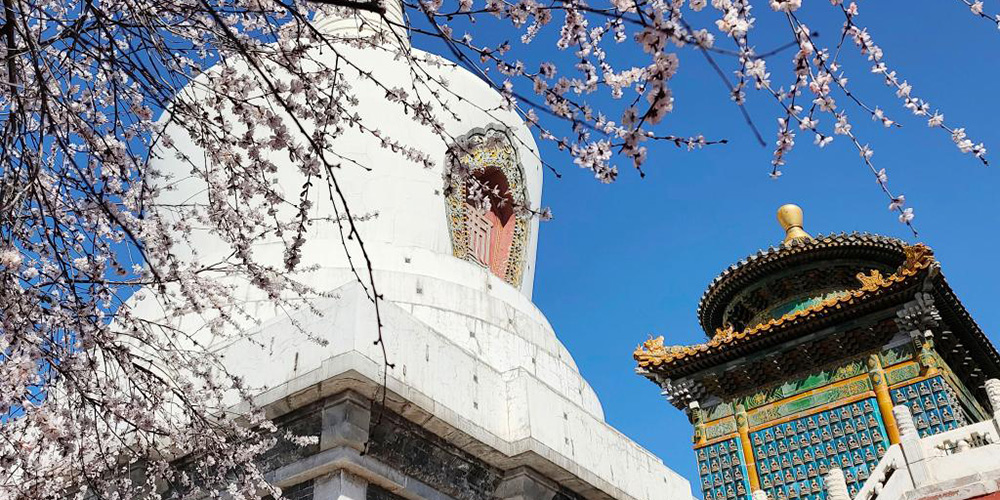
(765, 261)
(653, 355)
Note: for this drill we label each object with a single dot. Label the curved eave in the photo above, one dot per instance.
(979, 347)
(895, 294)
(864, 246)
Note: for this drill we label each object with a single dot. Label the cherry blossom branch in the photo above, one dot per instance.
(917, 106)
(976, 7)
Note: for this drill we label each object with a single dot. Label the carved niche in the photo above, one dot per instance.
(487, 202)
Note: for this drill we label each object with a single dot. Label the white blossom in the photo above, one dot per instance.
(897, 202)
(786, 5)
(10, 258)
(906, 216)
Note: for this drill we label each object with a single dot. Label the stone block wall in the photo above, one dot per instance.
(422, 455)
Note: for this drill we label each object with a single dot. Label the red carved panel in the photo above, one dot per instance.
(501, 236)
(480, 235)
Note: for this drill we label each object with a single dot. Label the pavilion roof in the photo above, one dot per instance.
(875, 249)
(653, 356)
(849, 292)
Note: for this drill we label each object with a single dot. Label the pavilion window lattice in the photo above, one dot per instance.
(722, 472)
(791, 457)
(931, 404)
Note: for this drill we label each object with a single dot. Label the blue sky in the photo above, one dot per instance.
(626, 260)
(623, 261)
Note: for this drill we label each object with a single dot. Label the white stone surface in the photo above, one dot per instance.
(340, 485)
(517, 408)
(412, 220)
(472, 353)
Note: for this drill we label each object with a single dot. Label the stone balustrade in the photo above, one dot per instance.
(884, 478)
(961, 439)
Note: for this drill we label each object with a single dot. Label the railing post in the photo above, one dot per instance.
(904, 420)
(992, 387)
(913, 449)
(836, 485)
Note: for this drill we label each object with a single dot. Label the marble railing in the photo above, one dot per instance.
(961, 439)
(889, 476)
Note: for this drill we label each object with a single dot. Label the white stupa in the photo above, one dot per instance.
(480, 378)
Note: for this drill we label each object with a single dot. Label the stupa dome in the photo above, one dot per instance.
(417, 234)
(473, 360)
(401, 206)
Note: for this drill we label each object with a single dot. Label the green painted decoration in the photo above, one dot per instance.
(727, 426)
(823, 397)
(809, 382)
(899, 374)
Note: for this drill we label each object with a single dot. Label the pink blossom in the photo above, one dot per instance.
(897, 202)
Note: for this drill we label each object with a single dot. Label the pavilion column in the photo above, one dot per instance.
(877, 376)
(743, 427)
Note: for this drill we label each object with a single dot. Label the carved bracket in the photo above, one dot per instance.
(682, 393)
(918, 315)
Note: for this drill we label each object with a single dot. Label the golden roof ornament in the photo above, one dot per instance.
(790, 218)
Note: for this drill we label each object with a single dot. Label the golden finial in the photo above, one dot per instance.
(790, 217)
